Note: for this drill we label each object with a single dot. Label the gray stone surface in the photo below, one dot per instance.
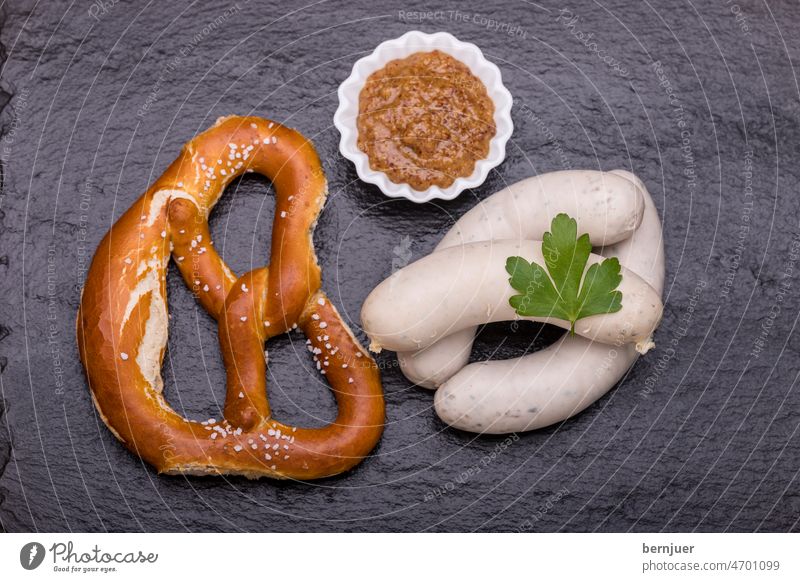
(98, 98)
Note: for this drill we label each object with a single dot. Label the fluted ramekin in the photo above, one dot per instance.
(414, 41)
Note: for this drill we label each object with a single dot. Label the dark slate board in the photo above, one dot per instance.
(98, 100)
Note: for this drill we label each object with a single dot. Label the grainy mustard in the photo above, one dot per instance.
(425, 120)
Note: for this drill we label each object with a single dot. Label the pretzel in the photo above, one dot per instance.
(122, 320)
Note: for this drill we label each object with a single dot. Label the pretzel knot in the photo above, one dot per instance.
(122, 321)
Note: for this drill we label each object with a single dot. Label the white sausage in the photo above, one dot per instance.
(605, 205)
(464, 286)
(553, 384)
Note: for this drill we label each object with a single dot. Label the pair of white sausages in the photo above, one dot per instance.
(428, 311)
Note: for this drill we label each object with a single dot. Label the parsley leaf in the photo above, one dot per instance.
(557, 291)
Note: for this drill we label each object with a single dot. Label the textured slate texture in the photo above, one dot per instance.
(99, 98)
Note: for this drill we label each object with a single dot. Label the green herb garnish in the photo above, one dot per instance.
(560, 294)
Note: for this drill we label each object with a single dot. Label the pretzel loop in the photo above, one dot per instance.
(122, 320)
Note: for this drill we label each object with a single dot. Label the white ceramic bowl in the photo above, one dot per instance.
(412, 42)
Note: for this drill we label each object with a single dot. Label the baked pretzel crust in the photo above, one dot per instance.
(123, 321)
